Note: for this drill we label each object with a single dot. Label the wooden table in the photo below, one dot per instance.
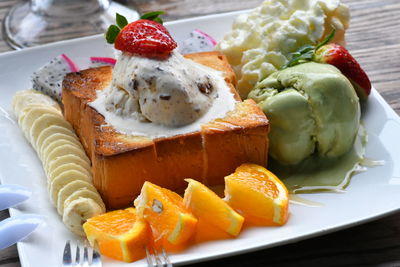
(374, 39)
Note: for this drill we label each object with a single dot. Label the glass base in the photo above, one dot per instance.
(22, 28)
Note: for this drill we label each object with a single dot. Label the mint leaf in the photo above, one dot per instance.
(121, 21)
(306, 52)
(305, 48)
(298, 58)
(153, 16)
(112, 33)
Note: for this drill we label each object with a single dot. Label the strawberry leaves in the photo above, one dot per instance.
(154, 16)
(121, 22)
(112, 33)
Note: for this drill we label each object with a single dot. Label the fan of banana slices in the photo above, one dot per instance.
(65, 163)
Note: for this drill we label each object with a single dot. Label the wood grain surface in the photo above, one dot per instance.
(374, 39)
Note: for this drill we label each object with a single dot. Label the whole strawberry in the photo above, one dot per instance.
(146, 37)
(339, 57)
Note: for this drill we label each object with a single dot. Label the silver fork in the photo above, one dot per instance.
(157, 259)
(86, 261)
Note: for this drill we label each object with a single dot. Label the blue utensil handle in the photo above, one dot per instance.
(16, 228)
(12, 194)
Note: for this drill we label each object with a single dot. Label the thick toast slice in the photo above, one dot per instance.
(122, 163)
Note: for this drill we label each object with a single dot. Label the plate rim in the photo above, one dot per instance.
(375, 93)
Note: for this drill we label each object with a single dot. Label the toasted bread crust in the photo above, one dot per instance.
(217, 61)
(122, 163)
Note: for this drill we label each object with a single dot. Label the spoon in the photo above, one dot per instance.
(16, 228)
(12, 194)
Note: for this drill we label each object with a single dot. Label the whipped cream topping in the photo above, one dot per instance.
(262, 41)
(160, 98)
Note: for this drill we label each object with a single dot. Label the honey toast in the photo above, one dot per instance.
(122, 163)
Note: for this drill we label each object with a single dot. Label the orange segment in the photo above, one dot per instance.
(258, 195)
(118, 234)
(206, 205)
(170, 221)
(208, 232)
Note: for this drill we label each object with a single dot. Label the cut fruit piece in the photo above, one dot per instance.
(25, 98)
(102, 61)
(62, 180)
(50, 140)
(28, 111)
(145, 38)
(66, 167)
(78, 211)
(60, 142)
(258, 195)
(70, 188)
(206, 205)
(80, 193)
(206, 232)
(198, 41)
(171, 223)
(26, 121)
(49, 131)
(62, 150)
(119, 234)
(70, 158)
(48, 79)
(45, 121)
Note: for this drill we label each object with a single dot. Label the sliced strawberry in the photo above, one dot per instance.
(339, 57)
(145, 38)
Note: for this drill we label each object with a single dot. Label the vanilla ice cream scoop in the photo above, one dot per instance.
(172, 92)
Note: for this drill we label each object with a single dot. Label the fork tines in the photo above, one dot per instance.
(157, 259)
(94, 260)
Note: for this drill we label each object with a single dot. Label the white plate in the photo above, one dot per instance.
(370, 195)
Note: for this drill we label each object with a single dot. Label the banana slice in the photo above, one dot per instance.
(55, 137)
(26, 109)
(34, 114)
(64, 150)
(20, 95)
(65, 167)
(65, 162)
(72, 167)
(52, 146)
(70, 188)
(78, 211)
(54, 129)
(62, 180)
(55, 163)
(82, 193)
(45, 121)
(28, 97)
(18, 99)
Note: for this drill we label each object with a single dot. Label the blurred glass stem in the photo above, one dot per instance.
(43, 21)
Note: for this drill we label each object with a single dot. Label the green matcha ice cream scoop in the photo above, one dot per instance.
(312, 108)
